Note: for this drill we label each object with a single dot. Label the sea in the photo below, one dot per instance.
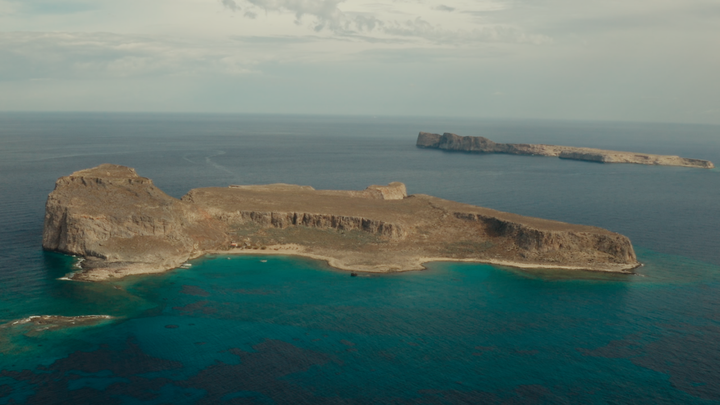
(290, 330)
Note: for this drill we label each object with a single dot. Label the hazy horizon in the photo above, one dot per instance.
(426, 117)
(551, 60)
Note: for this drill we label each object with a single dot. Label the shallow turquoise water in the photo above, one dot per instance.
(290, 330)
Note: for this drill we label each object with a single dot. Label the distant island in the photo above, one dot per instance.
(479, 144)
(121, 224)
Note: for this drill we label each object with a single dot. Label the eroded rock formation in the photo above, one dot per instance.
(122, 224)
(479, 144)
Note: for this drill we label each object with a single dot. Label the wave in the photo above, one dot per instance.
(58, 321)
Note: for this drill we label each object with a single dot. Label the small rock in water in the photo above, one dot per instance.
(353, 274)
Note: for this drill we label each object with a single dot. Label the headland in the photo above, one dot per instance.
(122, 224)
(479, 144)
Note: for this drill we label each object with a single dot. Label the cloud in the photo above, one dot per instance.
(430, 55)
(37, 55)
(48, 7)
(278, 40)
(230, 4)
(325, 12)
(420, 28)
(443, 7)
(400, 21)
(641, 59)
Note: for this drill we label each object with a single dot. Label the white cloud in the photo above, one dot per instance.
(443, 7)
(490, 33)
(428, 22)
(640, 59)
(33, 55)
(230, 4)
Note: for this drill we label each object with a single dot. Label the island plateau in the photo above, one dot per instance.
(120, 223)
(479, 144)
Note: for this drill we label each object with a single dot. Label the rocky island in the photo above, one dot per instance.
(479, 144)
(122, 224)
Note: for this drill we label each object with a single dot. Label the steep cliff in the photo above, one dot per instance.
(479, 144)
(553, 245)
(122, 224)
(119, 220)
(301, 206)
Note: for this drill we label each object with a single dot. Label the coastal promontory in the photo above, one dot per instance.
(122, 224)
(479, 144)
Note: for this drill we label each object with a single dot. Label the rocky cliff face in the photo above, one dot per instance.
(122, 224)
(284, 220)
(629, 157)
(428, 140)
(237, 212)
(479, 144)
(111, 215)
(538, 243)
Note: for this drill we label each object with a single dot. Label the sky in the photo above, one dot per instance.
(622, 60)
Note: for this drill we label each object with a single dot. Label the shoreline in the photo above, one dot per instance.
(417, 263)
(296, 250)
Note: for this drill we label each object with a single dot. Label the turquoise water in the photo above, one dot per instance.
(246, 330)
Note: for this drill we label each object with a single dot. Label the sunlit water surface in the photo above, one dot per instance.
(281, 330)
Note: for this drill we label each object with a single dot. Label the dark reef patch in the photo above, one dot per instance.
(196, 307)
(259, 377)
(194, 290)
(683, 354)
(51, 384)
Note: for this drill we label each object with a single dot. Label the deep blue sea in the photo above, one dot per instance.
(288, 330)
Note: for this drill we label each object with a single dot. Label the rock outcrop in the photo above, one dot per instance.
(122, 224)
(393, 191)
(536, 241)
(479, 144)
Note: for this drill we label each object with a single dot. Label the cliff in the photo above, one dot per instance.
(122, 224)
(479, 144)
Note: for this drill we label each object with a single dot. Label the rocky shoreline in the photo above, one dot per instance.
(479, 144)
(121, 224)
(40, 323)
